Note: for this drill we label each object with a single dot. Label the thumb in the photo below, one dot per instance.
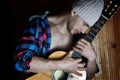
(70, 53)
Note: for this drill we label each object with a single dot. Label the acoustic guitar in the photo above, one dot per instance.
(110, 9)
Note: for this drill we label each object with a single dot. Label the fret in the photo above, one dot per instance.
(95, 28)
(99, 24)
(93, 31)
(89, 35)
(103, 19)
(88, 38)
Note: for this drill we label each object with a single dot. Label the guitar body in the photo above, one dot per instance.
(57, 74)
(40, 76)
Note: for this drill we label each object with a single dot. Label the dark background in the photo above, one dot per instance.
(7, 42)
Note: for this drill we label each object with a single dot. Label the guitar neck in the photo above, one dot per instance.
(95, 29)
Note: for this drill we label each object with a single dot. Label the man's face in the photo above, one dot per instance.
(77, 25)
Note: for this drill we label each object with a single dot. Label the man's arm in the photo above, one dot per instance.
(92, 69)
(39, 65)
(66, 64)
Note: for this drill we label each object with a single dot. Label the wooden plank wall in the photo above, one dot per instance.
(107, 46)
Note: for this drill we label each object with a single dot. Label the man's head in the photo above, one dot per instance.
(84, 13)
(88, 10)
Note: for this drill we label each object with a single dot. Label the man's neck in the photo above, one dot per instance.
(60, 22)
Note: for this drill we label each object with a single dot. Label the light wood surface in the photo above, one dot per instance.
(107, 46)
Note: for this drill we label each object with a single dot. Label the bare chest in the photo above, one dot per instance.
(60, 41)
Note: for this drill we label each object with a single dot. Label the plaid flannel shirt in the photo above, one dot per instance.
(35, 41)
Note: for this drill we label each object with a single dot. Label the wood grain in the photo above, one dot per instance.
(107, 46)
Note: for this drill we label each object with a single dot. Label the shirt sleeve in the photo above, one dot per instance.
(35, 41)
(27, 47)
(25, 50)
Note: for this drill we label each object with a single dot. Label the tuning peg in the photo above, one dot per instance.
(108, 6)
(106, 10)
(111, 2)
(116, 5)
(113, 9)
(110, 13)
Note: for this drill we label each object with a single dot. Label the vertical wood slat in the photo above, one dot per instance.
(111, 49)
(116, 19)
(107, 46)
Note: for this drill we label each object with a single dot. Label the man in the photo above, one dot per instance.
(46, 34)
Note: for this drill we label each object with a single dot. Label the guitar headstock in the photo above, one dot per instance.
(110, 8)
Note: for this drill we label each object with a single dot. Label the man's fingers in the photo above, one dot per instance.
(76, 73)
(77, 50)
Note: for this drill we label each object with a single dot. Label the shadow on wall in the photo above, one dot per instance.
(23, 9)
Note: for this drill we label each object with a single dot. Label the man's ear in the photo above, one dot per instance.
(73, 13)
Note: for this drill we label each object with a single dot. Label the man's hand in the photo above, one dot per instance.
(68, 64)
(86, 49)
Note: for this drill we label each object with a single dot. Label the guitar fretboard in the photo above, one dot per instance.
(95, 29)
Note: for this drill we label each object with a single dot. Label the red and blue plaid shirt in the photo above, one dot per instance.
(35, 41)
